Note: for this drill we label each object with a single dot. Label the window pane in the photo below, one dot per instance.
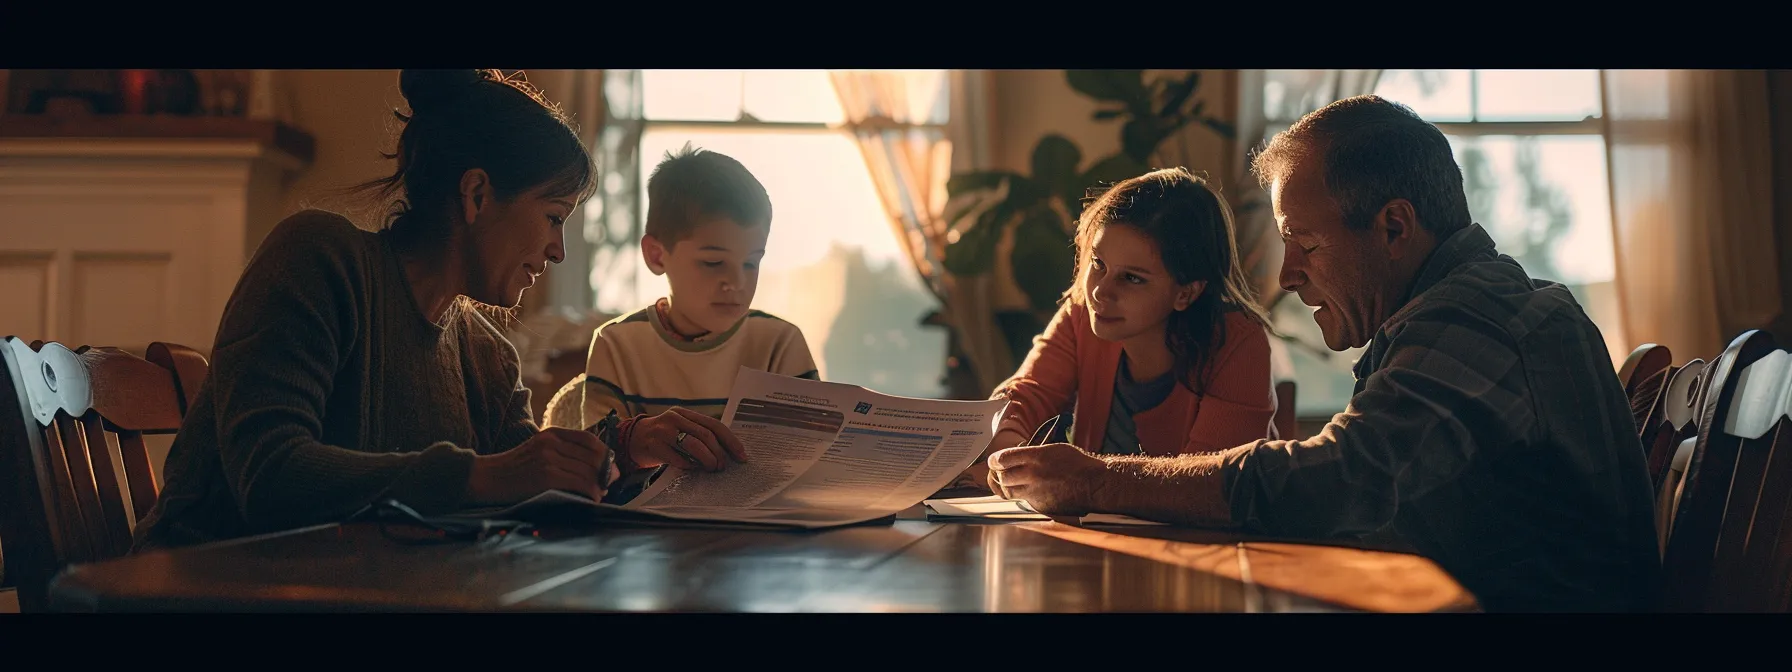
(1545, 202)
(792, 96)
(1537, 95)
(691, 95)
(832, 266)
(1436, 95)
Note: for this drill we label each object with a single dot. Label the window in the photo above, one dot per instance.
(833, 265)
(1534, 167)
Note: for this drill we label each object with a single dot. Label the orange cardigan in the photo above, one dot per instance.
(1068, 359)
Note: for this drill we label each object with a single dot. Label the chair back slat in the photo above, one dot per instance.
(86, 488)
(1749, 534)
(1673, 418)
(138, 472)
(118, 523)
(70, 519)
(1754, 554)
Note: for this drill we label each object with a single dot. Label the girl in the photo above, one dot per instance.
(1159, 343)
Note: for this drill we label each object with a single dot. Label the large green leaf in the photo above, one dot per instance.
(1018, 329)
(1121, 86)
(1055, 159)
(1224, 129)
(1109, 170)
(974, 253)
(988, 179)
(1179, 93)
(1026, 192)
(1043, 259)
(1140, 137)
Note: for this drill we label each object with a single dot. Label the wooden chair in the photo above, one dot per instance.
(1705, 535)
(1671, 419)
(1644, 374)
(1644, 362)
(64, 418)
(563, 409)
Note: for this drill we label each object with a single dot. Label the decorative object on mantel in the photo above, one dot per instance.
(252, 94)
(288, 139)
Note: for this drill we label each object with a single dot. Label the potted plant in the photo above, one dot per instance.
(1040, 208)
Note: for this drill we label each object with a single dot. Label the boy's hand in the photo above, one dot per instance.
(706, 443)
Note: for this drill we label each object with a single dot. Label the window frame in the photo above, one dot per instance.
(1590, 125)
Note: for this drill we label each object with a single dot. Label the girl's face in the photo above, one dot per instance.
(1130, 292)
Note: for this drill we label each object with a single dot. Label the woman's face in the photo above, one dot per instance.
(512, 242)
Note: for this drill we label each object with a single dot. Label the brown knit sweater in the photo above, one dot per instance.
(329, 389)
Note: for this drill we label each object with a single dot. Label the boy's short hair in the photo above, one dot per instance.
(693, 182)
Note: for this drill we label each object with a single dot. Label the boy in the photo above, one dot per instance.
(667, 370)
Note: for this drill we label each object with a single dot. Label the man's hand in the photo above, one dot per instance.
(977, 475)
(1055, 479)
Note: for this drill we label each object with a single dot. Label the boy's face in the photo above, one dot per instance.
(713, 272)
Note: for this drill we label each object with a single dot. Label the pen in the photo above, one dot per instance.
(606, 432)
(1044, 432)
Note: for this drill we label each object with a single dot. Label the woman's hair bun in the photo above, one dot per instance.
(428, 90)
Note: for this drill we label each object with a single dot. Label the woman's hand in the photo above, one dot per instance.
(555, 458)
(684, 438)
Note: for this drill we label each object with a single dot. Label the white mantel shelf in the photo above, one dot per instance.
(126, 230)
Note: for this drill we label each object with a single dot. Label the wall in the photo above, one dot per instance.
(349, 112)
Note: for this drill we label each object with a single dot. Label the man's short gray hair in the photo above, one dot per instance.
(1374, 150)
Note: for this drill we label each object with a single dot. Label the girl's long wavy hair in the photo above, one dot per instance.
(1192, 227)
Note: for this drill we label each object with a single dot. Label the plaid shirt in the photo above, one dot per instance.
(1490, 433)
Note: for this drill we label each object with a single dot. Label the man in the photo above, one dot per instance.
(1488, 430)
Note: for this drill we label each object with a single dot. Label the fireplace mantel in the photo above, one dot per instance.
(125, 230)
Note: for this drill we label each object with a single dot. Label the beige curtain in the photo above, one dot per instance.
(912, 144)
(1692, 206)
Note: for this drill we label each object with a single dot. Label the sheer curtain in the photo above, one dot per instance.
(912, 143)
(1692, 206)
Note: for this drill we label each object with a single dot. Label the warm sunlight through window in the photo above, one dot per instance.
(1534, 165)
(833, 265)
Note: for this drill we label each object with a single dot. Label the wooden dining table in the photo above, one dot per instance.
(909, 564)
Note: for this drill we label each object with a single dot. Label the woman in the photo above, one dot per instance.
(352, 366)
(1159, 343)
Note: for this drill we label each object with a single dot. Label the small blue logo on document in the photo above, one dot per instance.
(863, 408)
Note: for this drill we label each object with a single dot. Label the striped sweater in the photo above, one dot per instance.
(638, 366)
